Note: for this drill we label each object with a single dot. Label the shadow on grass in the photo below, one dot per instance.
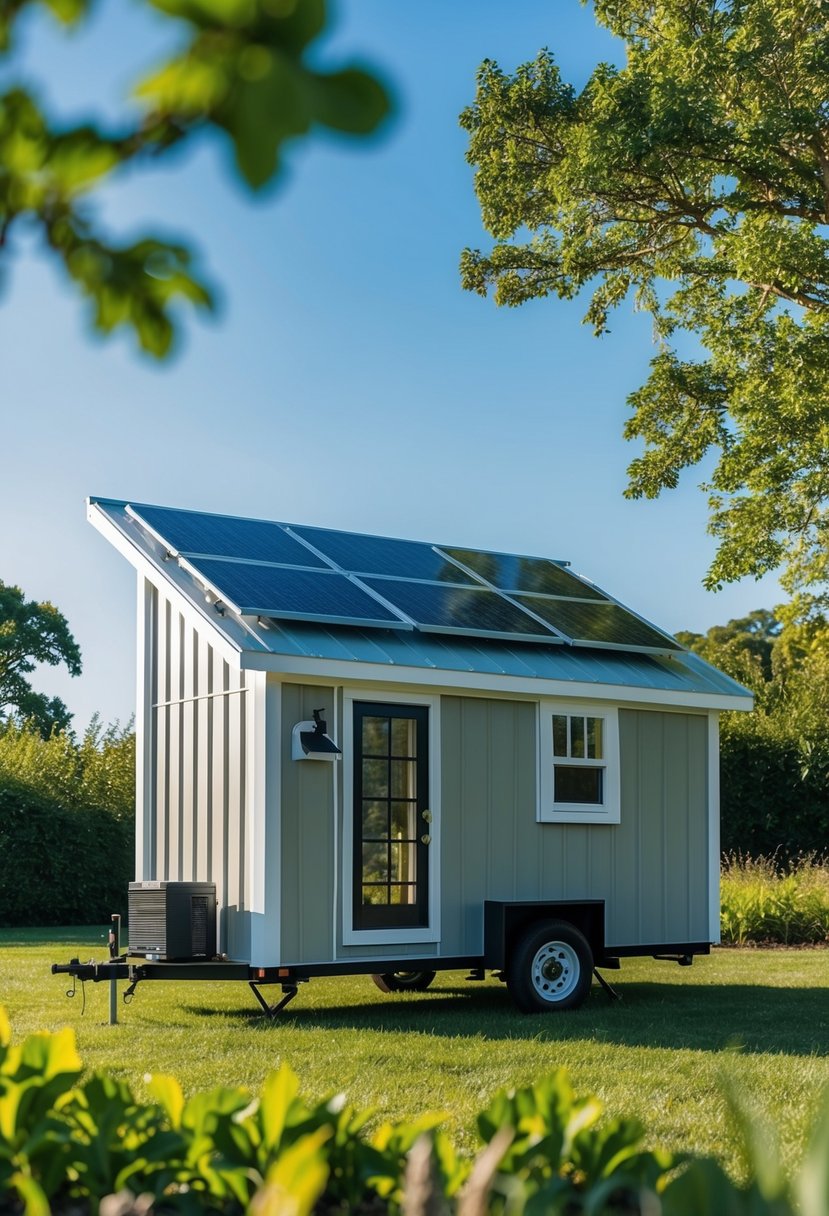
(672, 1016)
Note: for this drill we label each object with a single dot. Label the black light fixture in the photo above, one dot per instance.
(311, 741)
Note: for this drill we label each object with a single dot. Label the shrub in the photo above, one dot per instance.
(68, 1144)
(774, 791)
(58, 865)
(759, 902)
(97, 772)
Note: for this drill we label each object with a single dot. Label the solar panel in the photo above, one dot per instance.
(471, 610)
(382, 555)
(531, 574)
(606, 623)
(281, 591)
(265, 569)
(222, 536)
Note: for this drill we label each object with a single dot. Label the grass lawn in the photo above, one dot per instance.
(760, 1016)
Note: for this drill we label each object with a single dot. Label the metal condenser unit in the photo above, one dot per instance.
(172, 920)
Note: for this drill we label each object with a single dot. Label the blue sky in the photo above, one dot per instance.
(347, 380)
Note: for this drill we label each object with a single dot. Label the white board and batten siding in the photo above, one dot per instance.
(202, 783)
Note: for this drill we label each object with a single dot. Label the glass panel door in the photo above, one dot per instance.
(391, 816)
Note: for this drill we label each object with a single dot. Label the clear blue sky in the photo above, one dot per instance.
(348, 381)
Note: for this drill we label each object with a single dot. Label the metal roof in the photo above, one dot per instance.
(274, 645)
(684, 673)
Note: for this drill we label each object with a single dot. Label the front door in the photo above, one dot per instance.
(391, 816)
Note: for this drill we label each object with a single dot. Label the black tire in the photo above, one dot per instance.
(404, 981)
(551, 968)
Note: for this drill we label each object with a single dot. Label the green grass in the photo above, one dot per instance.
(762, 903)
(660, 1054)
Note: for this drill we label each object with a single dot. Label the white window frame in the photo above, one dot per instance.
(550, 811)
(402, 936)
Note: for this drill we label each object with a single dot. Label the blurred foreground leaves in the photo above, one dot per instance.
(241, 70)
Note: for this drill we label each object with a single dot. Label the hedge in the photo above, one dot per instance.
(60, 866)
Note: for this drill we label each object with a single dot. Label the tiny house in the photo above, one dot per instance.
(394, 758)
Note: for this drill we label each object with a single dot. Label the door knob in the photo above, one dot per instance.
(426, 839)
(427, 815)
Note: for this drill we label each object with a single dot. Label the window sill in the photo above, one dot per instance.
(574, 813)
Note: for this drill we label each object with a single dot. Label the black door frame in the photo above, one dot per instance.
(368, 917)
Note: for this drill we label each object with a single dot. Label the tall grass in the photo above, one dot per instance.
(760, 902)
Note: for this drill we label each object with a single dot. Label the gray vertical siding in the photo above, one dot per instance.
(651, 868)
(307, 876)
(198, 742)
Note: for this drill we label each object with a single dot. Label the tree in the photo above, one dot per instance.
(241, 69)
(774, 763)
(743, 648)
(694, 179)
(32, 633)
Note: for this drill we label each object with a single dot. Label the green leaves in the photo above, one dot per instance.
(241, 71)
(694, 179)
(33, 633)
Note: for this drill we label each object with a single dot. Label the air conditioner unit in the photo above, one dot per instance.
(172, 920)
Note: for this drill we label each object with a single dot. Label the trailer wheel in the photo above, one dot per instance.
(404, 981)
(551, 968)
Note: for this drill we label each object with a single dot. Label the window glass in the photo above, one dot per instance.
(403, 777)
(594, 739)
(375, 736)
(577, 738)
(403, 820)
(375, 778)
(375, 820)
(577, 783)
(559, 734)
(403, 737)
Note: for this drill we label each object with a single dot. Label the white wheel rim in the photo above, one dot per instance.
(555, 971)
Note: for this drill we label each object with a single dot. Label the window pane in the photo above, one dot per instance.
(403, 778)
(403, 820)
(578, 784)
(403, 737)
(403, 863)
(403, 893)
(375, 863)
(375, 736)
(559, 734)
(375, 778)
(375, 820)
(375, 895)
(595, 747)
(577, 738)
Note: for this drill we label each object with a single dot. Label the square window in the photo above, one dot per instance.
(578, 763)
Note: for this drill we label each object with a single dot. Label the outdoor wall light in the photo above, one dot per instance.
(311, 741)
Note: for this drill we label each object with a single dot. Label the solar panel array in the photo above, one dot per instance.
(289, 572)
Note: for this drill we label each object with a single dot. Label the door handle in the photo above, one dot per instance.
(427, 816)
(426, 839)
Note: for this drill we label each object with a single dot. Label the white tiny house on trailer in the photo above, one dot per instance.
(395, 757)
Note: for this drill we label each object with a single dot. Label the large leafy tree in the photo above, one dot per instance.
(30, 634)
(694, 179)
(240, 68)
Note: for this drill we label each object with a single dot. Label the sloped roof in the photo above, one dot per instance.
(296, 647)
